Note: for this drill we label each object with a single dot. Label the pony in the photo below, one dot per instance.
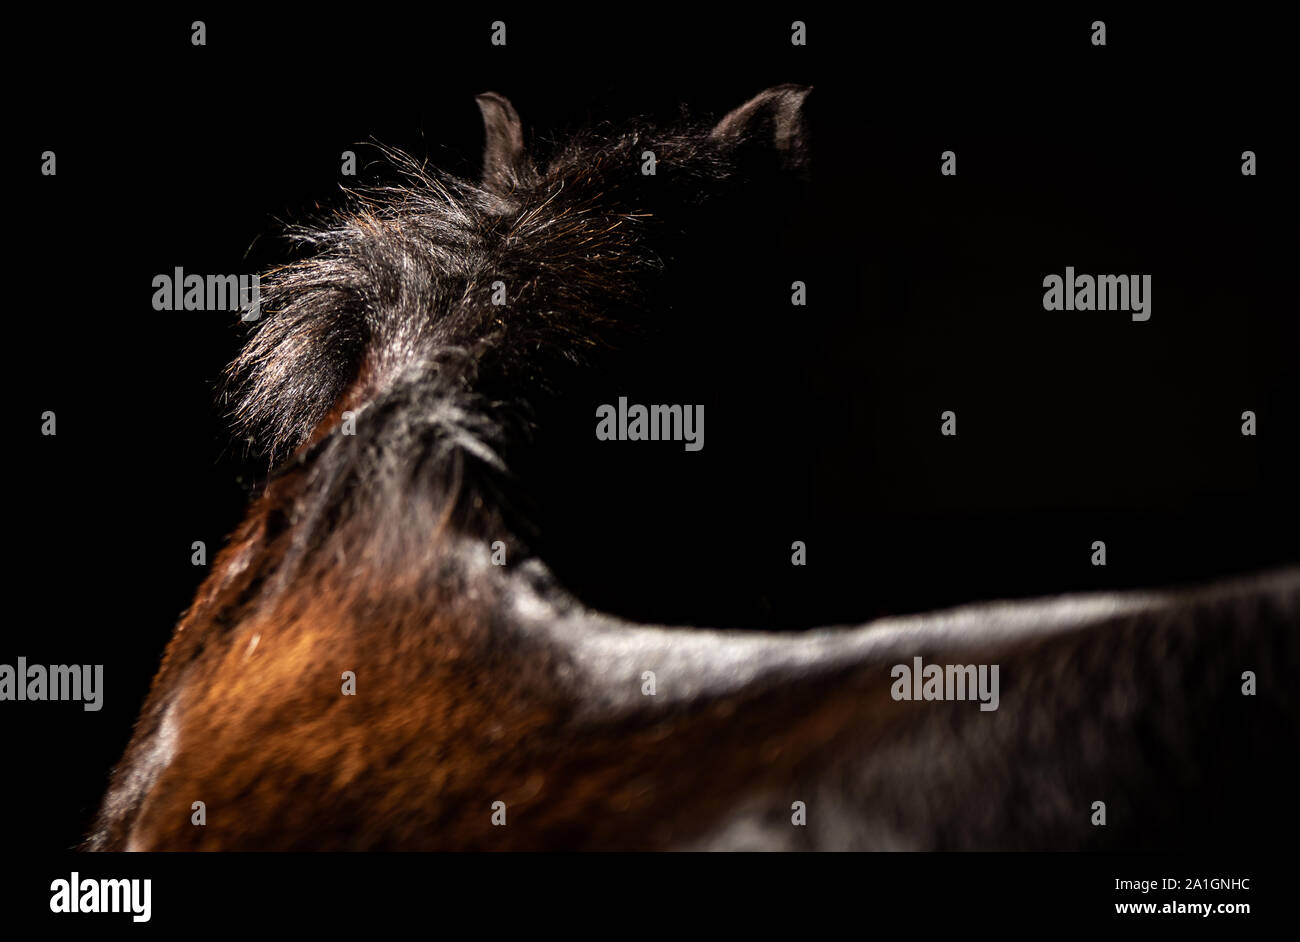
(383, 656)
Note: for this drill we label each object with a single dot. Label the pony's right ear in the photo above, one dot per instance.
(505, 163)
(772, 120)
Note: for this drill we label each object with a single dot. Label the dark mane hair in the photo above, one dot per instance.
(392, 316)
(403, 274)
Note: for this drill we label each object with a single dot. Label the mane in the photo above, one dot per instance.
(391, 316)
(401, 278)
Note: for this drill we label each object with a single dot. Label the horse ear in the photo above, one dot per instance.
(772, 118)
(505, 164)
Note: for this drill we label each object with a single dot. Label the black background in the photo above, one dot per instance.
(924, 295)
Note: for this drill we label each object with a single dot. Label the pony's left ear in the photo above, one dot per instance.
(773, 118)
(505, 162)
